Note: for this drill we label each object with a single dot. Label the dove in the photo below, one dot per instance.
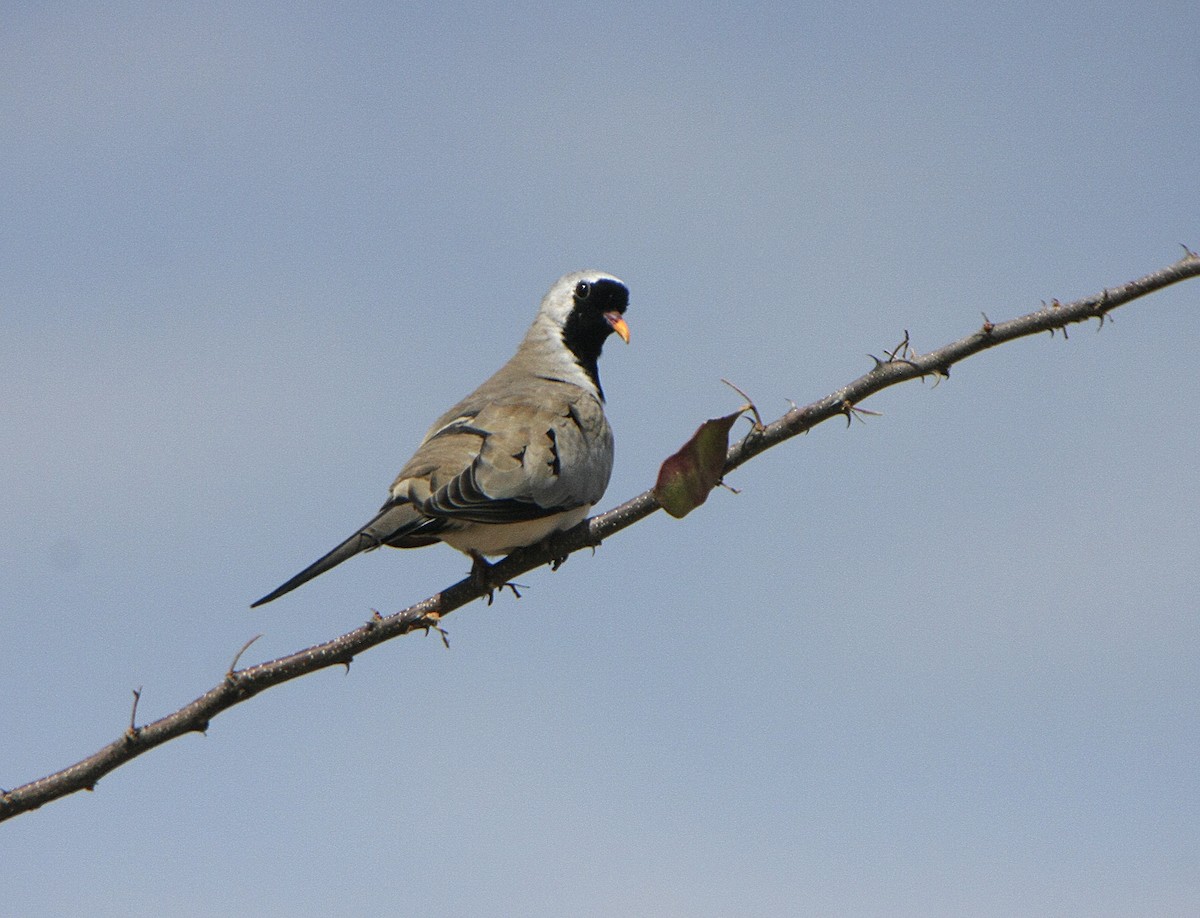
(522, 457)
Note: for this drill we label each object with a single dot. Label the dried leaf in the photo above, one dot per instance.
(685, 478)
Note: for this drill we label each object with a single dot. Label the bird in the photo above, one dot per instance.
(522, 457)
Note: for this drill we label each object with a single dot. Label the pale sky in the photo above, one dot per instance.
(946, 662)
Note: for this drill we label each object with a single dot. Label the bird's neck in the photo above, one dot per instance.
(569, 357)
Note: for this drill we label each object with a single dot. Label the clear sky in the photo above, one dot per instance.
(946, 662)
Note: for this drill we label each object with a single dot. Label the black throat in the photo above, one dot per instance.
(586, 328)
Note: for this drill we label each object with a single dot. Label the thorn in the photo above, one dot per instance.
(901, 348)
(750, 406)
(233, 666)
(430, 623)
(847, 408)
(853, 411)
(988, 325)
(346, 663)
(728, 487)
(1101, 309)
(1188, 254)
(132, 732)
(1066, 337)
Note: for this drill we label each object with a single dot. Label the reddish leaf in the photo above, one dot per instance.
(685, 478)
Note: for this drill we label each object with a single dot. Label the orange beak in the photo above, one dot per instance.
(617, 322)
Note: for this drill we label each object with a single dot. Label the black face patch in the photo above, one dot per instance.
(603, 295)
(586, 328)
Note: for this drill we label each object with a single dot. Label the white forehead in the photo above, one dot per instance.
(560, 298)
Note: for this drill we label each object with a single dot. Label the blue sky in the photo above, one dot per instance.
(941, 663)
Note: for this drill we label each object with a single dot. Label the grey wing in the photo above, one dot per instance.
(512, 460)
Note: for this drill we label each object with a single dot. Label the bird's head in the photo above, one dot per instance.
(588, 306)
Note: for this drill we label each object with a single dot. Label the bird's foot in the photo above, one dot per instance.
(483, 579)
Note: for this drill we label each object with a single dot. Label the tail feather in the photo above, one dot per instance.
(391, 526)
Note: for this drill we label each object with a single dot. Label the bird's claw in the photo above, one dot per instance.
(481, 578)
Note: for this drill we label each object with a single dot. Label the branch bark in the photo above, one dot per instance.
(238, 685)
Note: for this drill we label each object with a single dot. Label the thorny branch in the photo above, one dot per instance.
(237, 685)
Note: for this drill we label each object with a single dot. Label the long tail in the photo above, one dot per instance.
(396, 524)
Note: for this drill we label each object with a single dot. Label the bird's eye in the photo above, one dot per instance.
(583, 290)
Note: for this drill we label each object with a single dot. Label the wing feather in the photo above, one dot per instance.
(512, 460)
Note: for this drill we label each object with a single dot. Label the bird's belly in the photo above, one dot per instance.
(502, 538)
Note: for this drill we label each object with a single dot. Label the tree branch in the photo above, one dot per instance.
(897, 366)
